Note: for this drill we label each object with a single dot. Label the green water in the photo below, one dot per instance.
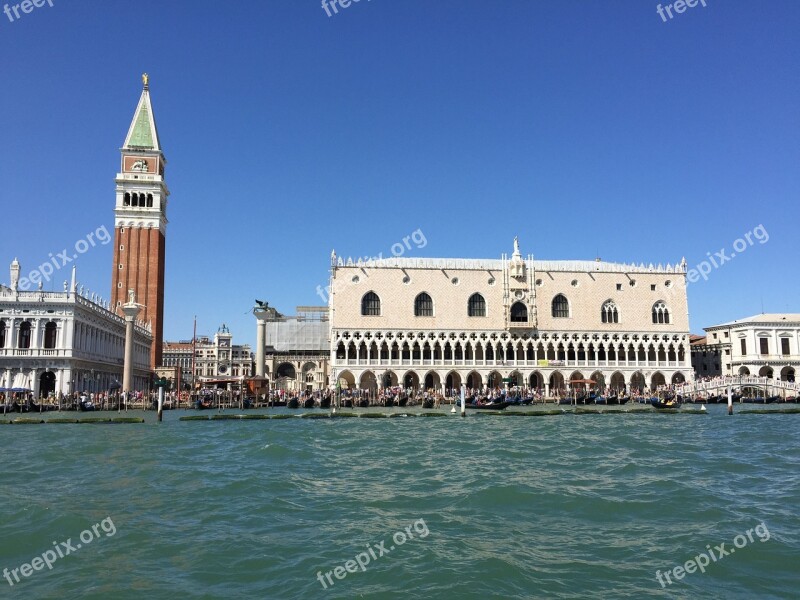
(566, 506)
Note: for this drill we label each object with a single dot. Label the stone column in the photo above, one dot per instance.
(261, 339)
(130, 310)
(35, 383)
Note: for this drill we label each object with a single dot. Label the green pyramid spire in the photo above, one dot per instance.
(143, 133)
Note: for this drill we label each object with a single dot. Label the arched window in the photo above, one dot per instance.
(476, 306)
(519, 313)
(609, 312)
(371, 305)
(149, 200)
(423, 305)
(24, 335)
(50, 335)
(2, 334)
(560, 306)
(660, 313)
(126, 200)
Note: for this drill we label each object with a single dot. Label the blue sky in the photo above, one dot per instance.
(585, 128)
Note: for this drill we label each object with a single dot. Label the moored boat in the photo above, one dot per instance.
(489, 406)
(86, 406)
(662, 404)
(293, 403)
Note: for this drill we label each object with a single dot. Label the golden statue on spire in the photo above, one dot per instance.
(145, 79)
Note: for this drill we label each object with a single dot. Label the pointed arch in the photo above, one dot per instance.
(423, 305)
(609, 312)
(660, 313)
(519, 313)
(476, 306)
(370, 305)
(560, 306)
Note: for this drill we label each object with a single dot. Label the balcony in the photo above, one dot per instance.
(33, 352)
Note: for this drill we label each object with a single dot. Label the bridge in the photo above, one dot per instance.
(718, 384)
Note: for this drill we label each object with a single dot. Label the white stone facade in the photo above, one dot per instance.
(65, 342)
(765, 345)
(540, 323)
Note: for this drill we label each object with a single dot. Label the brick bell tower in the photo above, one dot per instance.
(140, 222)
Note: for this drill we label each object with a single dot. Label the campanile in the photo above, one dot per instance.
(140, 222)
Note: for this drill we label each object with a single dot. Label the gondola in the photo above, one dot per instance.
(293, 403)
(519, 400)
(428, 403)
(363, 403)
(309, 403)
(30, 407)
(203, 403)
(388, 402)
(325, 402)
(565, 400)
(489, 406)
(664, 404)
(86, 406)
(598, 399)
(347, 403)
(402, 401)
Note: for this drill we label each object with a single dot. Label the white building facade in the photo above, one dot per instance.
(765, 345)
(54, 343)
(436, 324)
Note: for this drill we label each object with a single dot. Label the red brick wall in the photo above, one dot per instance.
(142, 261)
